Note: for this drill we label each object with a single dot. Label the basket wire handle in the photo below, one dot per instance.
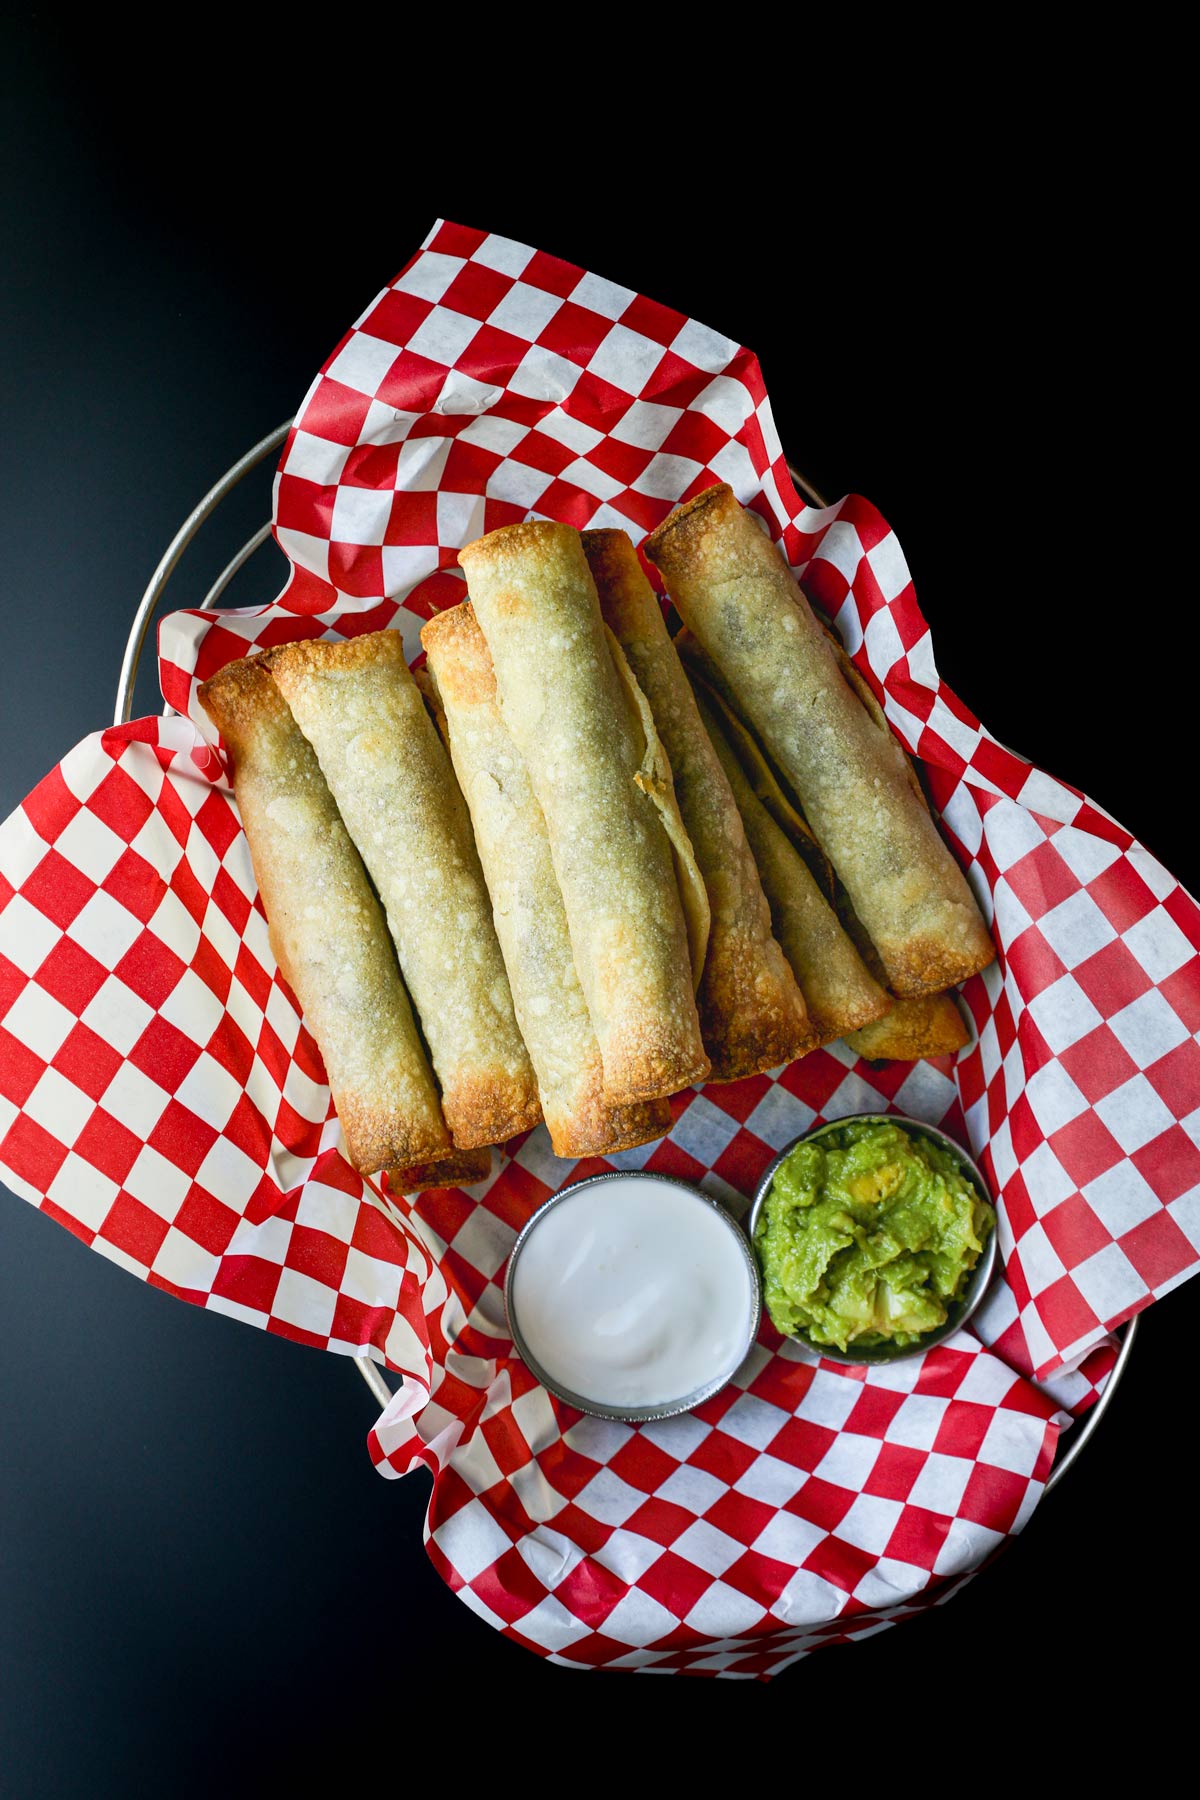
(171, 555)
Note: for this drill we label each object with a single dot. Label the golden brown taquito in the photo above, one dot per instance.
(604, 793)
(752, 1012)
(841, 993)
(922, 1025)
(462, 1169)
(388, 771)
(514, 849)
(927, 1025)
(734, 590)
(327, 930)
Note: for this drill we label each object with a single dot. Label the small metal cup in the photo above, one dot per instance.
(962, 1308)
(739, 1245)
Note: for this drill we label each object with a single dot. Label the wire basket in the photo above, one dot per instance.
(201, 514)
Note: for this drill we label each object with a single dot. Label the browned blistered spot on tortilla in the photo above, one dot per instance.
(746, 1021)
(597, 1127)
(240, 694)
(373, 1143)
(929, 966)
(682, 531)
(650, 1064)
(466, 673)
(341, 656)
(489, 1111)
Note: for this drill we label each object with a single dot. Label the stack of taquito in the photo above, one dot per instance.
(593, 735)
(576, 866)
(831, 802)
(376, 904)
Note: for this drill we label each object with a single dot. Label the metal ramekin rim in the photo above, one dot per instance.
(981, 1276)
(637, 1415)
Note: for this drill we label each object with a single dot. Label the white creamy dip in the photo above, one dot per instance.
(632, 1292)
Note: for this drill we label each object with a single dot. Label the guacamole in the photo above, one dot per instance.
(867, 1236)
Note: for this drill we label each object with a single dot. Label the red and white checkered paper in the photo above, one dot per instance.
(160, 1096)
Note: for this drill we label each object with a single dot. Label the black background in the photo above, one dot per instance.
(203, 1585)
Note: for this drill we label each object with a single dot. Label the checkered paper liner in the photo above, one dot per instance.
(160, 1096)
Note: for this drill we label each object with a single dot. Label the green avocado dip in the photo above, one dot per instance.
(867, 1236)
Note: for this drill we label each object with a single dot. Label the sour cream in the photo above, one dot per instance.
(632, 1292)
